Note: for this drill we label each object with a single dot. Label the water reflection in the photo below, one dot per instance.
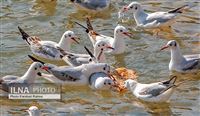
(48, 7)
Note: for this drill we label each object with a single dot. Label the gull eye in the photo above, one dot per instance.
(131, 7)
(175, 44)
(170, 44)
(103, 44)
(98, 45)
(109, 83)
(40, 66)
(35, 68)
(104, 68)
(90, 60)
(121, 30)
(69, 35)
(136, 8)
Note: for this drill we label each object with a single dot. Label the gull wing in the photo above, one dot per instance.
(67, 73)
(45, 51)
(159, 17)
(191, 64)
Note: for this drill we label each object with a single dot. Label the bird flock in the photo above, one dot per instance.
(91, 68)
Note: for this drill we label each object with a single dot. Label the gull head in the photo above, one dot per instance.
(33, 111)
(37, 66)
(172, 44)
(71, 37)
(102, 45)
(133, 7)
(104, 83)
(130, 84)
(122, 32)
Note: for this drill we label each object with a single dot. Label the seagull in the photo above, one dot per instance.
(92, 5)
(72, 75)
(78, 59)
(100, 81)
(33, 111)
(153, 92)
(120, 33)
(27, 78)
(47, 49)
(152, 20)
(179, 62)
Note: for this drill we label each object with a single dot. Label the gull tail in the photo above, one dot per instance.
(25, 36)
(170, 81)
(89, 25)
(178, 10)
(34, 59)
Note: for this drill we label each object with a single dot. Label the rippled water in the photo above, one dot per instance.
(49, 19)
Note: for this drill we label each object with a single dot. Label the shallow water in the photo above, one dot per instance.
(49, 19)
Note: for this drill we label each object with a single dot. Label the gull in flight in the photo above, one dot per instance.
(179, 62)
(47, 49)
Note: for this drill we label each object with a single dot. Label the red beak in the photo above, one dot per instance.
(109, 47)
(74, 39)
(127, 34)
(164, 47)
(45, 68)
(124, 9)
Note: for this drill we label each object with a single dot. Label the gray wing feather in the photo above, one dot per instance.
(48, 50)
(192, 64)
(67, 74)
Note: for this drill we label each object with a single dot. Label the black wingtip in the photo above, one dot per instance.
(34, 59)
(89, 25)
(173, 78)
(86, 29)
(89, 52)
(25, 36)
(178, 10)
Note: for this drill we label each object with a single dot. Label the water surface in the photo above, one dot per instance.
(49, 19)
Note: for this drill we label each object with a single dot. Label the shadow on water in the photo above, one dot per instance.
(48, 7)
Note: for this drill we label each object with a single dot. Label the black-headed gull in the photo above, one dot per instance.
(100, 81)
(152, 20)
(33, 111)
(120, 33)
(27, 78)
(153, 92)
(179, 62)
(47, 49)
(94, 5)
(79, 59)
(72, 75)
